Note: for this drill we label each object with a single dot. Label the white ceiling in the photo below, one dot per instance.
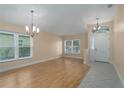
(58, 19)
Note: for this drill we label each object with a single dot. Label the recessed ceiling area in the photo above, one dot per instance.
(64, 19)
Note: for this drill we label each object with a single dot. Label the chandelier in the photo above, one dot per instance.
(32, 29)
(97, 27)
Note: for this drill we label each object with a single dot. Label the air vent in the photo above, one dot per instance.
(109, 5)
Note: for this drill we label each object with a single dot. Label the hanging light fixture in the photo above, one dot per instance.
(97, 27)
(32, 29)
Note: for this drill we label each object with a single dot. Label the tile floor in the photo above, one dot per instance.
(101, 75)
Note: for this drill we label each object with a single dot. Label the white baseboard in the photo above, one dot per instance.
(27, 64)
(74, 57)
(121, 79)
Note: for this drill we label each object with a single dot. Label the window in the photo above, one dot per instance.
(72, 46)
(6, 46)
(68, 47)
(76, 47)
(24, 46)
(14, 46)
(93, 43)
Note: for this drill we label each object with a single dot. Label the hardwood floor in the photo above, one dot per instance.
(59, 73)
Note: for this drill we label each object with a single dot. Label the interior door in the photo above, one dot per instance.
(101, 44)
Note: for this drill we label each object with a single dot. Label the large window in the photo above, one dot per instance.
(7, 46)
(24, 46)
(72, 46)
(14, 46)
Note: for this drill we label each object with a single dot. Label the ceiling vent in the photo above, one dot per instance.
(109, 5)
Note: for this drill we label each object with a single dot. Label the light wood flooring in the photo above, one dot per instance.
(58, 73)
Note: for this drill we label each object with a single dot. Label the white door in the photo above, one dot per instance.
(101, 44)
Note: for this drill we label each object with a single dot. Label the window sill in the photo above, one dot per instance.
(25, 58)
(5, 61)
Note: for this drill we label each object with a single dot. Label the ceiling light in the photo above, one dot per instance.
(32, 30)
(97, 27)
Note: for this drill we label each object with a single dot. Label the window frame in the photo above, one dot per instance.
(76, 46)
(16, 46)
(31, 47)
(67, 46)
(72, 52)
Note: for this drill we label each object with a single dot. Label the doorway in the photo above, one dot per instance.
(100, 46)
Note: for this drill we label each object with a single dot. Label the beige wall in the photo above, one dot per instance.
(83, 43)
(45, 46)
(118, 40)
